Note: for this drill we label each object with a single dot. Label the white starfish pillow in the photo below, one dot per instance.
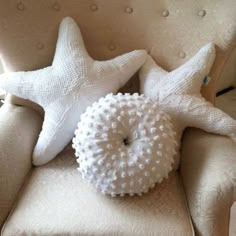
(178, 94)
(68, 86)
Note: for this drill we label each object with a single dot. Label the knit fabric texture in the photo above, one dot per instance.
(178, 94)
(125, 144)
(64, 89)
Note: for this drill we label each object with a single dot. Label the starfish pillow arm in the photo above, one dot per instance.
(201, 114)
(150, 77)
(64, 89)
(57, 131)
(27, 84)
(188, 78)
(119, 66)
(69, 38)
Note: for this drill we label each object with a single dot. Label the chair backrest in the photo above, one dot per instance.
(172, 31)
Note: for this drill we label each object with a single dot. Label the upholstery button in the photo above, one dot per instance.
(93, 7)
(56, 6)
(112, 47)
(165, 13)
(20, 6)
(202, 13)
(129, 10)
(182, 54)
(40, 45)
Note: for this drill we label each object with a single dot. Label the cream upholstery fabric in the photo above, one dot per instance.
(208, 172)
(227, 103)
(57, 201)
(19, 129)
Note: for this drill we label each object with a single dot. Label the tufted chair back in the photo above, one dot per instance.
(171, 31)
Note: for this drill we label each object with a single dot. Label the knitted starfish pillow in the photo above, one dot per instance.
(178, 94)
(64, 89)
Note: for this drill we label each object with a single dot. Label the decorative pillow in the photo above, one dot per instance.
(178, 94)
(124, 144)
(64, 89)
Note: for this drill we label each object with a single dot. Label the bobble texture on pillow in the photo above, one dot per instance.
(125, 144)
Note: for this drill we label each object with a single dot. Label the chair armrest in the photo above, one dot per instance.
(19, 129)
(208, 169)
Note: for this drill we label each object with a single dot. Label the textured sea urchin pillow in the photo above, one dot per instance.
(124, 144)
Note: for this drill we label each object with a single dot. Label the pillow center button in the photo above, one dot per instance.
(126, 141)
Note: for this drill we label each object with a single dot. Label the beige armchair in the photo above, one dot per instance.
(53, 199)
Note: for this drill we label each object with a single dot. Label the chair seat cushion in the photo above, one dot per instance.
(57, 201)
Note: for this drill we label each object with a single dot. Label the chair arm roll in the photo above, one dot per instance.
(208, 170)
(19, 130)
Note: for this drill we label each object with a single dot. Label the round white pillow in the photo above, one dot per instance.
(124, 144)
